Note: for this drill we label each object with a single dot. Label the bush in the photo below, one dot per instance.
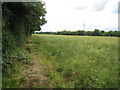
(10, 60)
(8, 42)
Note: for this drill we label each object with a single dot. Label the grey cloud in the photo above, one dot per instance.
(100, 6)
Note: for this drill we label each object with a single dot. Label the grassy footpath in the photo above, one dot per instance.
(26, 74)
(78, 61)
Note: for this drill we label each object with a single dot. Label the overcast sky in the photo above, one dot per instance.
(73, 14)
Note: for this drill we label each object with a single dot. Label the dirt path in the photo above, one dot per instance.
(34, 73)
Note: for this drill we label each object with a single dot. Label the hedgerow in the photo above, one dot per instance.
(19, 20)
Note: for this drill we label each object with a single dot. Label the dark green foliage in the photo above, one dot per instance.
(22, 19)
(19, 20)
(9, 43)
(10, 60)
(96, 32)
(81, 32)
(59, 69)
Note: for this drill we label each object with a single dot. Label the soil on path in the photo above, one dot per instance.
(34, 73)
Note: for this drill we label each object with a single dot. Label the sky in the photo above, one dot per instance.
(73, 15)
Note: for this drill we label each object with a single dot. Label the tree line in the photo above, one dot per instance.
(19, 21)
(96, 32)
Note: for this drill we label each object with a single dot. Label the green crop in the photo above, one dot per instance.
(79, 61)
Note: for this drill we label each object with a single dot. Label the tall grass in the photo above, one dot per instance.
(79, 61)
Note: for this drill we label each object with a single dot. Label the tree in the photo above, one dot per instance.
(81, 32)
(88, 33)
(102, 33)
(23, 18)
(110, 33)
(96, 32)
(19, 21)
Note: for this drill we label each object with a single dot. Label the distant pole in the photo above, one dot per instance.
(84, 26)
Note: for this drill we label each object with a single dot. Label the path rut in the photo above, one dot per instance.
(34, 72)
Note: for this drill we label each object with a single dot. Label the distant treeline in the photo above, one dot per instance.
(96, 32)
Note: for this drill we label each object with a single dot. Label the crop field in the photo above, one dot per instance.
(78, 61)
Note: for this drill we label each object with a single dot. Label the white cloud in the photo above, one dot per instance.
(72, 14)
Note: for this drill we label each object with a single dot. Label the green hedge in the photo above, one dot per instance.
(19, 20)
